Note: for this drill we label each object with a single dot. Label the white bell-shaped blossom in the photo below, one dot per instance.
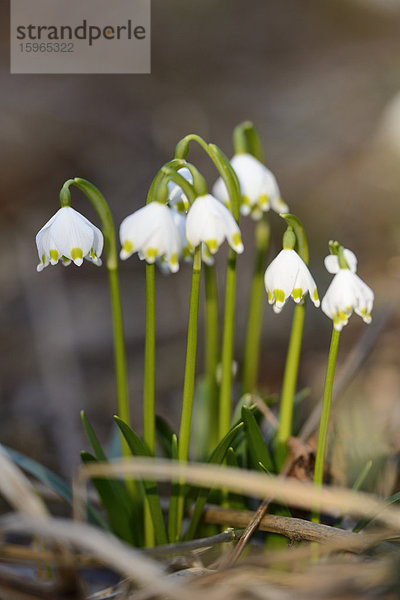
(176, 197)
(68, 236)
(183, 250)
(286, 276)
(209, 221)
(347, 292)
(152, 233)
(258, 187)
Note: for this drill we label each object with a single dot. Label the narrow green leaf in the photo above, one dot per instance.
(257, 448)
(138, 448)
(115, 509)
(131, 501)
(164, 434)
(53, 481)
(231, 459)
(97, 449)
(216, 457)
(173, 535)
(235, 500)
(200, 436)
(362, 476)
(364, 522)
(244, 400)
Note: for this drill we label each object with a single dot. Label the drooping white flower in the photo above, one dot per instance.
(68, 236)
(176, 197)
(151, 231)
(258, 186)
(183, 250)
(286, 276)
(209, 221)
(347, 292)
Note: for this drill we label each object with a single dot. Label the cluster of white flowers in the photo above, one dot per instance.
(288, 275)
(166, 234)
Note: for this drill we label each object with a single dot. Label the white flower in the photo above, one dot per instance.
(176, 197)
(211, 222)
(286, 276)
(347, 292)
(151, 231)
(259, 188)
(183, 250)
(68, 236)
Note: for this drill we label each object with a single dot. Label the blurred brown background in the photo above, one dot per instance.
(321, 83)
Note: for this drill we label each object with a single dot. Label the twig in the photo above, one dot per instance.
(203, 543)
(292, 528)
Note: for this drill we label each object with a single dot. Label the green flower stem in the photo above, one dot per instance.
(324, 422)
(161, 179)
(110, 245)
(225, 399)
(247, 141)
(149, 361)
(232, 184)
(175, 163)
(256, 304)
(190, 370)
(211, 347)
(289, 384)
(293, 355)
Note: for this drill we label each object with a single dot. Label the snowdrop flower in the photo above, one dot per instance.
(183, 250)
(286, 276)
(259, 188)
(347, 292)
(209, 221)
(151, 231)
(68, 236)
(176, 197)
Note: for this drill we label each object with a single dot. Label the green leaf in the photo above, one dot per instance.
(115, 509)
(244, 400)
(97, 449)
(364, 522)
(53, 481)
(200, 441)
(235, 500)
(130, 499)
(164, 434)
(362, 476)
(257, 448)
(138, 448)
(216, 457)
(173, 534)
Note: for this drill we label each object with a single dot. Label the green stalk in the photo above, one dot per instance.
(211, 347)
(110, 246)
(232, 184)
(225, 398)
(149, 361)
(119, 351)
(190, 370)
(324, 422)
(293, 355)
(256, 304)
(289, 384)
(149, 417)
